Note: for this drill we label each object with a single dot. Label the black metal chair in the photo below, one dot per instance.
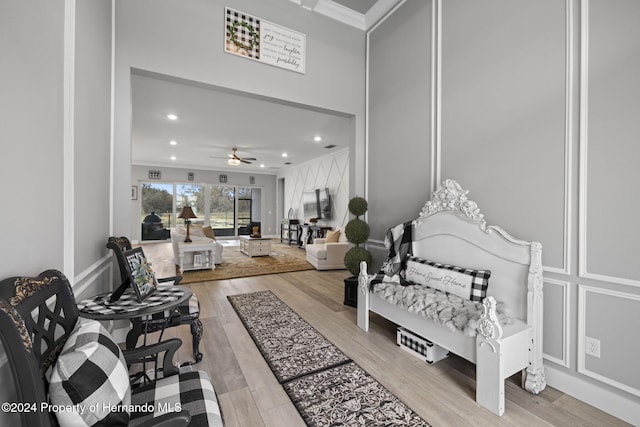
(40, 330)
(188, 313)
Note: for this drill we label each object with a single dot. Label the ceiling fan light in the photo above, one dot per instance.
(233, 161)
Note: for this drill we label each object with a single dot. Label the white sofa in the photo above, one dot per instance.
(327, 256)
(196, 234)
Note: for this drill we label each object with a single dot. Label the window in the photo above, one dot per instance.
(227, 208)
(222, 212)
(191, 195)
(157, 198)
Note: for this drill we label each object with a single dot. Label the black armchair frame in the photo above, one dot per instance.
(36, 317)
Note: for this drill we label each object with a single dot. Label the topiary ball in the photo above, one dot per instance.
(354, 256)
(358, 206)
(357, 231)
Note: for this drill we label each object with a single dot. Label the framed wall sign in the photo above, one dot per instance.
(264, 41)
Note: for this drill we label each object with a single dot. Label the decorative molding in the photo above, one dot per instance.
(348, 16)
(451, 197)
(584, 149)
(582, 369)
(366, 94)
(584, 93)
(68, 137)
(489, 326)
(568, 141)
(339, 12)
(566, 322)
(436, 93)
(379, 11)
(611, 279)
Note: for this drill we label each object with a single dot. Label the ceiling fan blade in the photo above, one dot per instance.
(250, 158)
(244, 161)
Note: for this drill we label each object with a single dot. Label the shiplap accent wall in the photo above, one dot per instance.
(535, 112)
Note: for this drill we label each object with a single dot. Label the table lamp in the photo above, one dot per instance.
(187, 214)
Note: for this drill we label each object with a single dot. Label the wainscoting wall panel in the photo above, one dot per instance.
(610, 148)
(535, 107)
(399, 51)
(557, 326)
(504, 113)
(610, 317)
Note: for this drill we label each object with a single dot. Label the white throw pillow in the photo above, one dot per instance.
(90, 378)
(463, 282)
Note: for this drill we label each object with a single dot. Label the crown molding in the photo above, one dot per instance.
(348, 16)
(340, 13)
(378, 11)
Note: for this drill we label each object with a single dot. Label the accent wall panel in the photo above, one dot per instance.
(503, 114)
(610, 317)
(611, 141)
(399, 81)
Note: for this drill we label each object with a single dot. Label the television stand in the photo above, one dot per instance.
(313, 232)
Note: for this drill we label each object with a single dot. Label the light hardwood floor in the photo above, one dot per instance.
(443, 393)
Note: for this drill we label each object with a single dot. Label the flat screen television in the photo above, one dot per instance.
(310, 204)
(317, 204)
(324, 204)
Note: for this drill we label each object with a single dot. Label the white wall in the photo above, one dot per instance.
(330, 171)
(32, 162)
(54, 167)
(185, 40)
(546, 152)
(56, 125)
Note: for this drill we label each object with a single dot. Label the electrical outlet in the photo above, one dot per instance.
(592, 346)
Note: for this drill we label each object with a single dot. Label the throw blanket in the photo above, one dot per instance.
(398, 241)
(451, 311)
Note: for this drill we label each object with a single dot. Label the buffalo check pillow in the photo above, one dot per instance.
(463, 282)
(90, 380)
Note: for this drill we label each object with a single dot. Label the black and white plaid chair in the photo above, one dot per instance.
(68, 370)
(189, 313)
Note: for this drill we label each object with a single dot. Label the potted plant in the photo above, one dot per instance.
(357, 232)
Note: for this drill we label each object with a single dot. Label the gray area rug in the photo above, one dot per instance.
(327, 388)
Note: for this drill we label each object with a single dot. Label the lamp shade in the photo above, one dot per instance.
(187, 213)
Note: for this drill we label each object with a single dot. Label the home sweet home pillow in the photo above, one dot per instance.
(463, 282)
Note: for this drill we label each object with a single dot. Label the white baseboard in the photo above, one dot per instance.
(627, 409)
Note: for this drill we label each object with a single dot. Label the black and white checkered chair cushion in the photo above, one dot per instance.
(90, 378)
(191, 391)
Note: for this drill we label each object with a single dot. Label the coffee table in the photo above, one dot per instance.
(255, 246)
(196, 255)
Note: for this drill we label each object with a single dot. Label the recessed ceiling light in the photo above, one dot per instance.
(172, 116)
(173, 142)
(173, 157)
(317, 138)
(284, 154)
(262, 165)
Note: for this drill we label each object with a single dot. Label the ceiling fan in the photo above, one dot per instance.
(234, 159)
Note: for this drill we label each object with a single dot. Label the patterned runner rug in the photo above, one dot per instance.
(327, 388)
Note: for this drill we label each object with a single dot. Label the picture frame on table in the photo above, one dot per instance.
(141, 277)
(197, 260)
